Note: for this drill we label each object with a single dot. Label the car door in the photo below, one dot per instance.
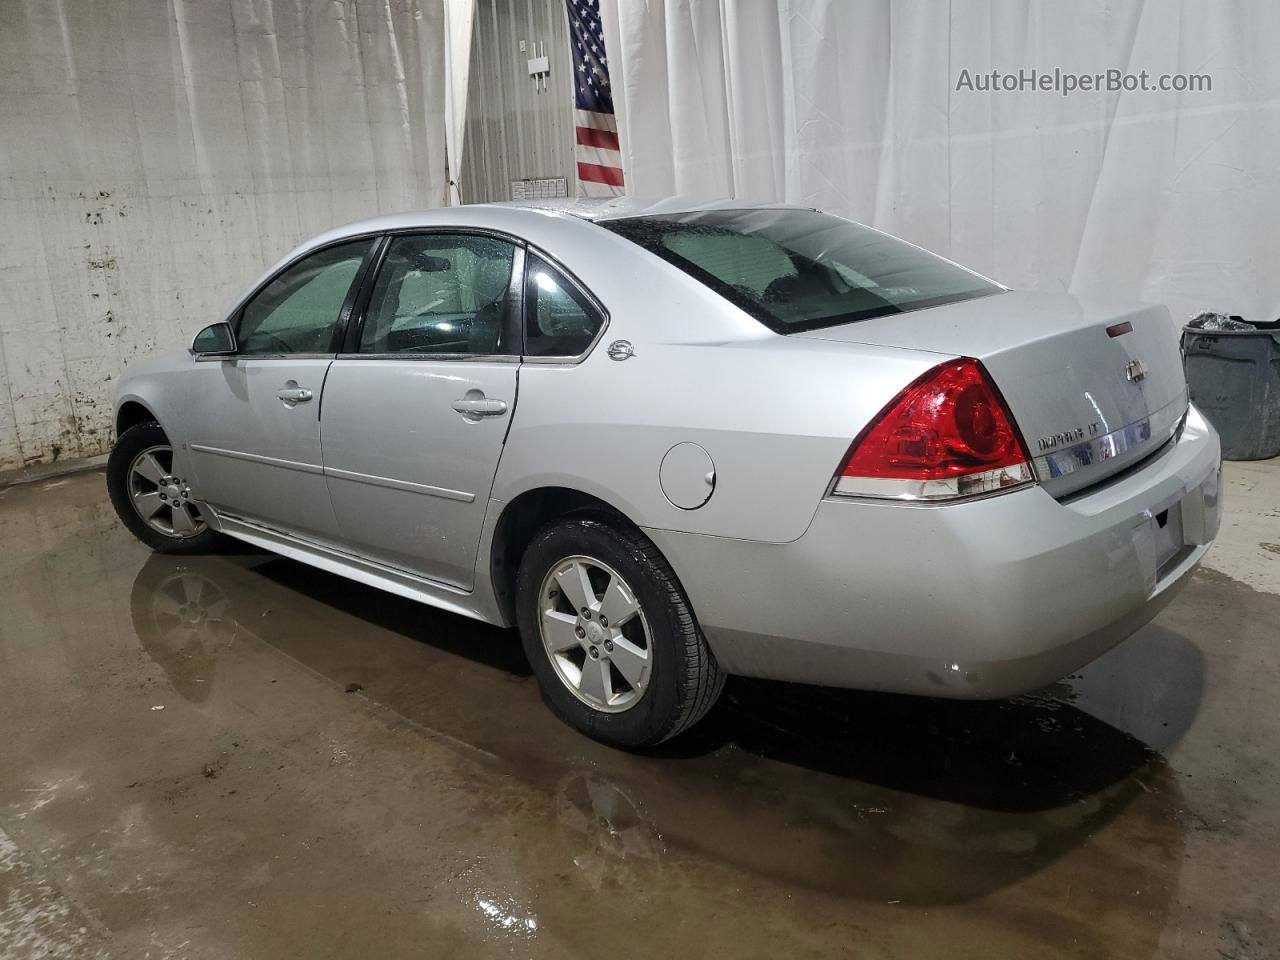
(416, 411)
(252, 420)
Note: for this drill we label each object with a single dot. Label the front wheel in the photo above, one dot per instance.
(150, 496)
(610, 634)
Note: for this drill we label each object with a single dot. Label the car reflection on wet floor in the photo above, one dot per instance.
(252, 757)
(932, 801)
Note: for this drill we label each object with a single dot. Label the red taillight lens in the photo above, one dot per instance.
(949, 434)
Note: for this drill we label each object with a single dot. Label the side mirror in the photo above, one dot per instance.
(215, 340)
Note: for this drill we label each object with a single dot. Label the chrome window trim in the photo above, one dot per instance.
(562, 361)
(454, 228)
(449, 357)
(241, 357)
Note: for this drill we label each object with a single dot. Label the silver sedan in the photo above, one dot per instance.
(672, 443)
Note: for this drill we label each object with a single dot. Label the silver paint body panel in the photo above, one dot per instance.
(409, 476)
(380, 479)
(255, 455)
(989, 598)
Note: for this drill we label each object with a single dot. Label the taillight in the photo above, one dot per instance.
(948, 434)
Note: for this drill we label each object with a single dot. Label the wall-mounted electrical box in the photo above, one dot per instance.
(539, 66)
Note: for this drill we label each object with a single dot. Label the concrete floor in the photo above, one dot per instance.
(237, 756)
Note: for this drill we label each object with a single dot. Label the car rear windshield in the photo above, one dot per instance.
(799, 270)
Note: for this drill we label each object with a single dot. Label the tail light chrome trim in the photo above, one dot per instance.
(951, 488)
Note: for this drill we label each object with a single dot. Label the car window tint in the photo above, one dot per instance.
(559, 320)
(296, 312)
(800, 269)
(740, 260)
(441, 293)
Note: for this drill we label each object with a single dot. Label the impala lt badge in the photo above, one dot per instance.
(1135, 370)
(1074, 435)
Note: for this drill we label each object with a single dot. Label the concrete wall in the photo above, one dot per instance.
(516, 129)
(156, 156)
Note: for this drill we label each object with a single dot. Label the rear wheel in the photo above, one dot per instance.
(610, 634)
(151, 498)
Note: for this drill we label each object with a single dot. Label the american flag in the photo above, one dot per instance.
(599, 161)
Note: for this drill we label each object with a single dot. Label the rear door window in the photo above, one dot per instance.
(442, 294)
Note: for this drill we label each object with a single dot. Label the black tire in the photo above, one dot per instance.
(127, 447)
(684, 679)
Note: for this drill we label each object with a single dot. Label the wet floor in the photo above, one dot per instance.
(237, 756)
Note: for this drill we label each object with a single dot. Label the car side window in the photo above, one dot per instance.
(559, 319)
(440, 294)
(297, 311)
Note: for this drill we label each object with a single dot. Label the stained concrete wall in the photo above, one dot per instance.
(156, 156)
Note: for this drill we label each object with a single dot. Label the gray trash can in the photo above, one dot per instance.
(1234, 378)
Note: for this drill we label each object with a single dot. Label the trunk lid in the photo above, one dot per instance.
(1093, 388)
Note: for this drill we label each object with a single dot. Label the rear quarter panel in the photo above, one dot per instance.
(776, 414)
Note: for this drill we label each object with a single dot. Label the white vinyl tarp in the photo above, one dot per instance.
(156, 156)
(852, 106)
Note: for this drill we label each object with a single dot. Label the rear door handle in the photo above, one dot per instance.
(292, 396)
(480, 407)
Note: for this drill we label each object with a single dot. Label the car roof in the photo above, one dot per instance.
(616, 208)
(516, 216)
(593, 209)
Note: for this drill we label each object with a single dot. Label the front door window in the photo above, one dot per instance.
(297, 311)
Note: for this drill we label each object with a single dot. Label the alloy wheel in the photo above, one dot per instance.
(163, 500)
(595, 634)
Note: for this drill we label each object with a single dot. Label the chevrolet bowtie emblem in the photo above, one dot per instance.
(1135, 370)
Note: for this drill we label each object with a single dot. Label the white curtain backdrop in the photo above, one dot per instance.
(157, 155)
(460, 18)
(851, 106)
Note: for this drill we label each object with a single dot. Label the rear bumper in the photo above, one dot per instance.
(984, 599)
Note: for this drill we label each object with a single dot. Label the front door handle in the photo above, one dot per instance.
(473, 408)
(294, 395)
